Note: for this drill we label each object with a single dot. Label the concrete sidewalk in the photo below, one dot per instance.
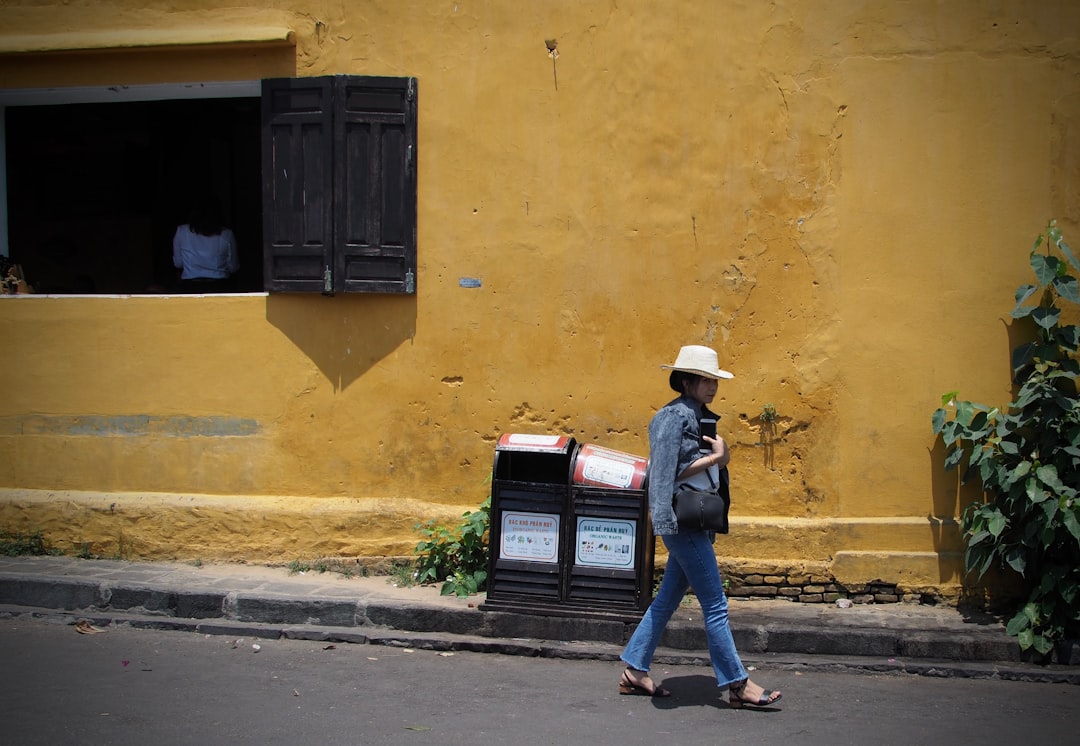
(257, 601)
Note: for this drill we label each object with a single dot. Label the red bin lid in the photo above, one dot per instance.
(534, 443)
(597, 466)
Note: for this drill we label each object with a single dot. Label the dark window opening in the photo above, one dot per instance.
(96, 191)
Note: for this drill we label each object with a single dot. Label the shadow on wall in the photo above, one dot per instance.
(950, 497)
(344, 335)
(950, 500)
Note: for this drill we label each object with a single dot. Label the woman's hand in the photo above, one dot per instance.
(720, 455)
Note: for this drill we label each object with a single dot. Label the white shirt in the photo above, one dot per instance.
(210, 257)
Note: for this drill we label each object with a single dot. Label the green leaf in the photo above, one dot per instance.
(1046, 268)
(947, 399)
(1053, 233)
(978, 560)
(1047, 536)
(1022, 357)
(1046, 585)
(1050, 509)
(1031, 611)
(1067, 287)
(996, 524)
(954, 457)
(1025, 638)
(1034, 493)
(1043, 644)
(1024, 292)
(1068, 253)
(1046, 317)
(1019, 471)
(978, 425)
(1068, 336)
(938, 420)
(1069, 367)
(1017, 624)
(1068, 517)
(953, 432)
(1048, 475)
(1069, 593)
(1028, 394)
(1015, 559)
(965, 410)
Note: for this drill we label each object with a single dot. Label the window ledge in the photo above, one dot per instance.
(78, 41)
(66, 296)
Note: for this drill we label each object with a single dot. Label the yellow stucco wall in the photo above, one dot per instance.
(838, 196)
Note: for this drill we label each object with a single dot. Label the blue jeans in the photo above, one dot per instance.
(691, 563)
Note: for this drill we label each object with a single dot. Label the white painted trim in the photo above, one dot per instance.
(117, 93)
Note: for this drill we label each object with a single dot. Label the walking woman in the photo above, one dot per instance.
(679, 455)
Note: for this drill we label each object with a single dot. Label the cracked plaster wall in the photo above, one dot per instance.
(839, 198)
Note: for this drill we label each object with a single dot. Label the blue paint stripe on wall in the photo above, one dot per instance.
(129, 425)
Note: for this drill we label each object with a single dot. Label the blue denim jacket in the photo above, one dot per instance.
(674, 444)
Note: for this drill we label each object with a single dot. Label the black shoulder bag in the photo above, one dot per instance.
(704, 511)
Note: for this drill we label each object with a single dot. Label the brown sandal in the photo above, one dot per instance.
(628, 686)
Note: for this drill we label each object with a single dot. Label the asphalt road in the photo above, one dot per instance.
(130, 686)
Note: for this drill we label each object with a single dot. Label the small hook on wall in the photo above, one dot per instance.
(553, 52)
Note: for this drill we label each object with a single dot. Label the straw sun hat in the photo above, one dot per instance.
(699, 360)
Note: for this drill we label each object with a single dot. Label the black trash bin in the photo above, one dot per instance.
(570, 532)
(529, 502)
(613, 545)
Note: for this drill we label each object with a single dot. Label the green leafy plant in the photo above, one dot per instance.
(86, 551)
(1027, 458)
(299, 566)
(456, 557)
(403, 573)
(768, 413)
(20, 543)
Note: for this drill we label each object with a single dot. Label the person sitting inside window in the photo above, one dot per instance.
(204, 250)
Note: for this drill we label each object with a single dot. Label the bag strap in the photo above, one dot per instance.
(712, 482)
(713, 486)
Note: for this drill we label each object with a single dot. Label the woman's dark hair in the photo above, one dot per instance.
(206, 217)
(680, 379)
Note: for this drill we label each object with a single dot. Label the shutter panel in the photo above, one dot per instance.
(297, 141)
(375, 184)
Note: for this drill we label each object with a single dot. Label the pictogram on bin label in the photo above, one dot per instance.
(602, 467)
(603, 542)
(530, 536)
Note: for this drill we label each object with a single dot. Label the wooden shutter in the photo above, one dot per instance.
(339, 184)
(375, 184)
(297, 166)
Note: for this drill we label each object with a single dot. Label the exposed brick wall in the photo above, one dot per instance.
(812, 583)
(812, 589)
